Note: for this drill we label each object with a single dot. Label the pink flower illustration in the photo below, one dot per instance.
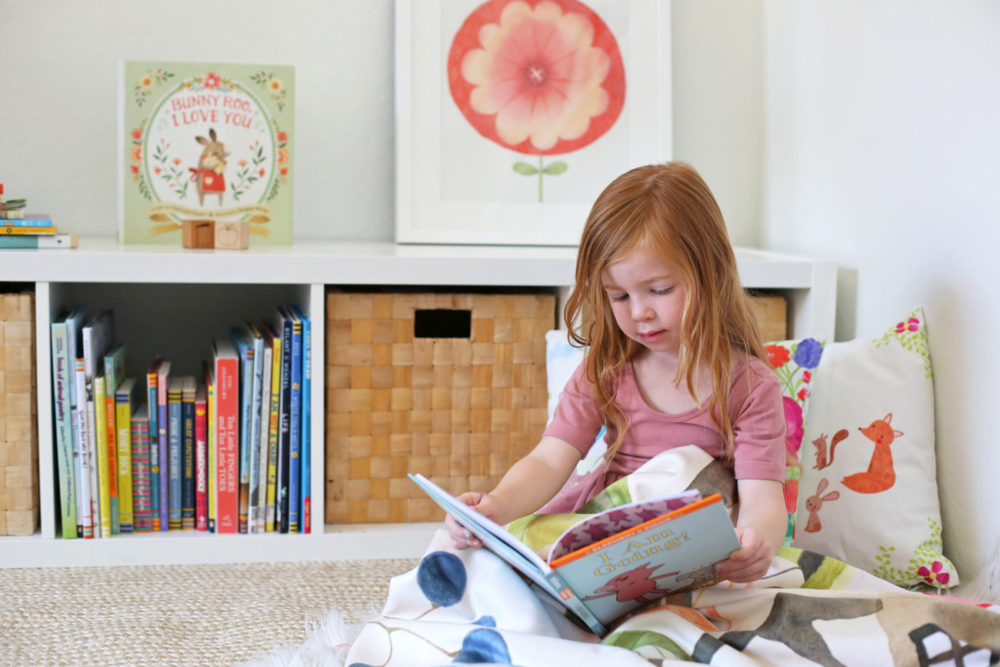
(912, 324)
(934, 576)
(542, 80)
(777, 355)
(212, 80)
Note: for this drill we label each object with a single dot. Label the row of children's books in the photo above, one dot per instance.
(226, 451)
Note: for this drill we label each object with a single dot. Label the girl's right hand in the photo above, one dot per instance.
(460, 537)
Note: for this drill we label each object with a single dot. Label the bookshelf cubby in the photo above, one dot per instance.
(170, 301)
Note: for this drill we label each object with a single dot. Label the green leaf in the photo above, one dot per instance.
(556, 168)
(525, 169)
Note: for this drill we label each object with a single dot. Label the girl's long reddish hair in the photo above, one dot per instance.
(669, 208)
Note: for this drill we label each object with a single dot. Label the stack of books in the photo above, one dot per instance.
(29, 230)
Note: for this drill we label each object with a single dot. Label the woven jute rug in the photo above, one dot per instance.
(180, 614)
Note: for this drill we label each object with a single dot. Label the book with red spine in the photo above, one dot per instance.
(227, 413)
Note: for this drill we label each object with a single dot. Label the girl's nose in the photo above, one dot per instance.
(640, 310)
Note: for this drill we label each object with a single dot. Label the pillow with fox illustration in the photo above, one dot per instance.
(794, 363)
(868, 488)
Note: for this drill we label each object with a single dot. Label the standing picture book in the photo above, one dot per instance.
(207, 143)
(615, 561)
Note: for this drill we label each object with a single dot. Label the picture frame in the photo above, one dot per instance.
(470, 172)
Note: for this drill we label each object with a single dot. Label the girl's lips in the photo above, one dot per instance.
(651, 335)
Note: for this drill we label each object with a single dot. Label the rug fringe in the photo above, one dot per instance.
(327, 643)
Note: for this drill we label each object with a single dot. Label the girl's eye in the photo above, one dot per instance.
(617, 297)
(663, 290)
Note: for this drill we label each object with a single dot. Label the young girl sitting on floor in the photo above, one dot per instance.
(673, 358)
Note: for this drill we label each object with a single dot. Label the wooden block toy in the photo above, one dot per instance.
(232, 235)
(199, 234)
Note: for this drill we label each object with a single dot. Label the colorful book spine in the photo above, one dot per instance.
(163, 438)
(152, 412)
(284, 324)
(29, 220)
(245, 350)
(212, 453)
(265, 435)
(306, 429)
(84, 511)
(9, 230)
(188, 390)
(96, 337)
(201, 458)
(141, 479)
(114, 373)
(295, 427)
(125, 404)
(42, 242)
(174, 467)
(254, 387)
(274, 427)
(227, 434)
(101, 439)
(61, 381)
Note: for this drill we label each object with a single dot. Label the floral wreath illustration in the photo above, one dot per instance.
(169, 169)
(537, 77)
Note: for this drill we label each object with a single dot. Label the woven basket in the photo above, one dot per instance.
(18, 411)
(771, 311)
(448, 385)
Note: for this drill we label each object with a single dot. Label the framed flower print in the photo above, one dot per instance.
(513, 115)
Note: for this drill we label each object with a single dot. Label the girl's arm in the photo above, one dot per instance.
(761, 526)
(529, 484)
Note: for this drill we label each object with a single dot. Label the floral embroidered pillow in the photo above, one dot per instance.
(868, 486)
(794, 363)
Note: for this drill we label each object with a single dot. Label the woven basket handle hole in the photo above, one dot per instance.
(442, 323)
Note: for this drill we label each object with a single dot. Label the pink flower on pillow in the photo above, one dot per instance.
(793, 426)
(934, 576)
(912, 324)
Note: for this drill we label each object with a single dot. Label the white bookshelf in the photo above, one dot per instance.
(166, 298)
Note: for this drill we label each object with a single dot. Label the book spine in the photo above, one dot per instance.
(295, 430)
(306, 430)
(142, 502)
(274, 434)
(212, 454)
(284, 447)
(253, 439)
(27, 221)
(84, 513)
(245, 403)
(227, 443)
(111, 444)
(162, 437)
(123, 424)
(187, 451)
(174, 446)
(8, 230)
(101, 442)
(95, 486)
(63, 429)
(201, 460)
(264, 440)
(153, 441)
(28, 242)
(574, 603)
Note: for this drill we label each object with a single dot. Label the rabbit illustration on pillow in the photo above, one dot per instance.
(814, 502)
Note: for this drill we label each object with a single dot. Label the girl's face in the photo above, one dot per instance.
(647, 299)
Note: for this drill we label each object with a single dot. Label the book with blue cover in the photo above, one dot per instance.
(615, 561)
(174, 448)
(305, 491)
(295, 425)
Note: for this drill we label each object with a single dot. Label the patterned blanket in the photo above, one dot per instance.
(470, 607)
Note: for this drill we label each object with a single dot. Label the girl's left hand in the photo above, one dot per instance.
(749, 562)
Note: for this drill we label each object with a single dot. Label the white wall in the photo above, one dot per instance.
(882, 141)
(59, 100)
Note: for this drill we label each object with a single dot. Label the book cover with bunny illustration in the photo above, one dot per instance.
(205, 141)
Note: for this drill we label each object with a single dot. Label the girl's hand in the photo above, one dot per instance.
(460, 537)
(749, 562)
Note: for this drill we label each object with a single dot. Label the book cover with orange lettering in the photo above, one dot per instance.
(617, 560)
(205, 141)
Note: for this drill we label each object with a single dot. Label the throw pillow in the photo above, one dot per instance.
(868, 488)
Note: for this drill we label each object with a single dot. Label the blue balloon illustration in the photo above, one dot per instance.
(483, 645)
(441, 576)
(486, 622)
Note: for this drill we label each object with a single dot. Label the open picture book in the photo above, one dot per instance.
(613, 562)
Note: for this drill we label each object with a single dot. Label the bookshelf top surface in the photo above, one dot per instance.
(344, 262)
